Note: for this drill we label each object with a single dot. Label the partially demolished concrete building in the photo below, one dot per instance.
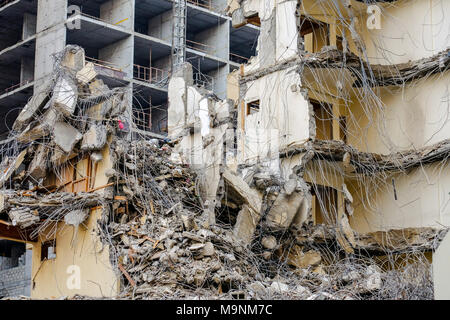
(320, 174)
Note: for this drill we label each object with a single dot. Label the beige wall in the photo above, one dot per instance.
(404, 119)
(410, 30)
(441, 270)
(97, 275)
(283, 116)
(423, 200)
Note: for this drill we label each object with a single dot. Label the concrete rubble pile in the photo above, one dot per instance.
(70, 118)
(164, 248)
(260, 243)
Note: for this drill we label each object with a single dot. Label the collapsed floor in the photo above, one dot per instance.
(157, 225)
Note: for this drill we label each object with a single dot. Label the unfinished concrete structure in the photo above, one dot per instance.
(129, 43)
(321, 174)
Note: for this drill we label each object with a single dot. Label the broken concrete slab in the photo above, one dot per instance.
(36, 103)
(65, 95)
(246, 223)
(10, 166)
(94, 138)
(87, 74)
(66, 136)
(38, 166)
(284, 210)
(345, 235)
(243, 191)
(298, 258)
(41, 129)
(23, 217)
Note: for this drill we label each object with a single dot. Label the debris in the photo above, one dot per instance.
(269, 242)
(66, 136)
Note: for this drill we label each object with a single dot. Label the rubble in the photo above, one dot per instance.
(241, 237)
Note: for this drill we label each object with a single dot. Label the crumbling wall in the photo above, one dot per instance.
(283, 117)
(409, 30)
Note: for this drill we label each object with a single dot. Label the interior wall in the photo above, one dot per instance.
(399, 40)
(283, 117)
(423, 200)
(408, 118)
(98, 278)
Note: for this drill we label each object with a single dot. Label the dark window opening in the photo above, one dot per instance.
(253, 107)
(340, 43)
(323, 114)
(325, 204)
(48, 250)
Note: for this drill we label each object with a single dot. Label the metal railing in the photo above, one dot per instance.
(150, 74)
(238, 59)
(5, 2)
(104, 64)
(207, 4)
(200, 46)
(143, 119)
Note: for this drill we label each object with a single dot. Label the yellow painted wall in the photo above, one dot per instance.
(410, 30)
(423, 200)
(408, 118)
(97, 275)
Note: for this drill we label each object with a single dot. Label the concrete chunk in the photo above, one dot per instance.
(42, 129)
(59, 157)
(9, 167)
(94, 138)
(87, 74)
(66, 136)
(76, 217)
(246, 223)
(38, 166)
(243, 191)
(36, 103)
(65, 96)
(300, 259)
(284, 210)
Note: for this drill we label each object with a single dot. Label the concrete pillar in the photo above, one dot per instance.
(29, 25)
(120, 53)
(118, 12)
(217, 39)
(28, 268)
(161, 26)
(51, 36)
(220, 76)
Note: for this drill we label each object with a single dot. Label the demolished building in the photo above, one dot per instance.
(322, 175)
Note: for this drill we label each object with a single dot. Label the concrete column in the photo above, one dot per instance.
(29, 25)
(119, 12)
(220, 76)
(28, 268)
(120, 53)
(218, 38)
(51, 36)
(161, 26)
